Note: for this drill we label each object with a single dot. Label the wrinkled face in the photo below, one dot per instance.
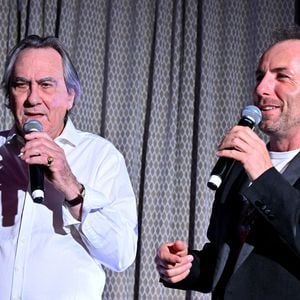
(38, 90)
(277, 91)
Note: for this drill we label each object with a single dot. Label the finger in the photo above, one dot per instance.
(237, 135)
(167, 261)
(231, 153)
(40, 145)
(181, 262)
(250, 144)
(176, 278)
(236, 145)
(174, 272)
(170, 261)
(36, 135)
(36, 151)
(41, 159)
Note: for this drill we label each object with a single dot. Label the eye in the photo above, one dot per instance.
(21, 85)
(46, 84)
(282, 75)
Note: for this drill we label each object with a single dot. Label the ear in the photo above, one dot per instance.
(71, 99)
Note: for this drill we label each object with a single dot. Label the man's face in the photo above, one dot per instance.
(38, 90)
(277, 91)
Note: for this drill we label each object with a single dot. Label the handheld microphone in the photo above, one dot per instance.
(251, 116)
(36, 171)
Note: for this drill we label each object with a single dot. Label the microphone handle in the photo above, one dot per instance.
(224, 164)
(220, 171)
(37, 182)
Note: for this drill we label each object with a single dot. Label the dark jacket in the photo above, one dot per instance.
(267, 264)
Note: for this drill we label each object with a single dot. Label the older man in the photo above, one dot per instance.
(87, 218)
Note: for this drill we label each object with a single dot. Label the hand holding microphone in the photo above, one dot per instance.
(47, 158)
(250, 117)
(36, 171)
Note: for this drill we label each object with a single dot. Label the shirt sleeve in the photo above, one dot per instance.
(109, 217)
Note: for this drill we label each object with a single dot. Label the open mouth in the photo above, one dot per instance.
(267, 108)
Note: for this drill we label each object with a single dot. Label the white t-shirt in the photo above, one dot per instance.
(281, 160)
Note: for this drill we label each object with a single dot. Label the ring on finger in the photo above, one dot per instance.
(50, 160)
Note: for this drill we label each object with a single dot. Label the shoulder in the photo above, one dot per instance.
(95, 139)
(97, 145)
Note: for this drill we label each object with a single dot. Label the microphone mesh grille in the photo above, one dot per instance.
(253, 113)
(32, 125)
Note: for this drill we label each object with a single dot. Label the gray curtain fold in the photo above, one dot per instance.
(162, 80)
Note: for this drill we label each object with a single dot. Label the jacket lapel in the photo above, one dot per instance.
(292, 175)
(227, 185)
(292, 172)
(234, 181)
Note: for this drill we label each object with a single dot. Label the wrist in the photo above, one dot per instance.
(76, 200)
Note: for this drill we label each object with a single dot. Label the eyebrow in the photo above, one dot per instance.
(277, 69)
(23, 79)
(51, 79)
(15, 79)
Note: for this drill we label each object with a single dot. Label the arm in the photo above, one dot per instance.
(279, 204)
(107, 219)
(273, 196)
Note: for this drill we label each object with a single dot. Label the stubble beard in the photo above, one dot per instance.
(279, 128)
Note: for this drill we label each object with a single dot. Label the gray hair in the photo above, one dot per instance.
(35, 42)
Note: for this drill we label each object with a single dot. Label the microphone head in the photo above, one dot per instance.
(32, 125)
(252, 113)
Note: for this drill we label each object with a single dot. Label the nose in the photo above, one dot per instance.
(33, 97)
(264, 86)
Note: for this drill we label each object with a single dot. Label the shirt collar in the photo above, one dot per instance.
(68, 135)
